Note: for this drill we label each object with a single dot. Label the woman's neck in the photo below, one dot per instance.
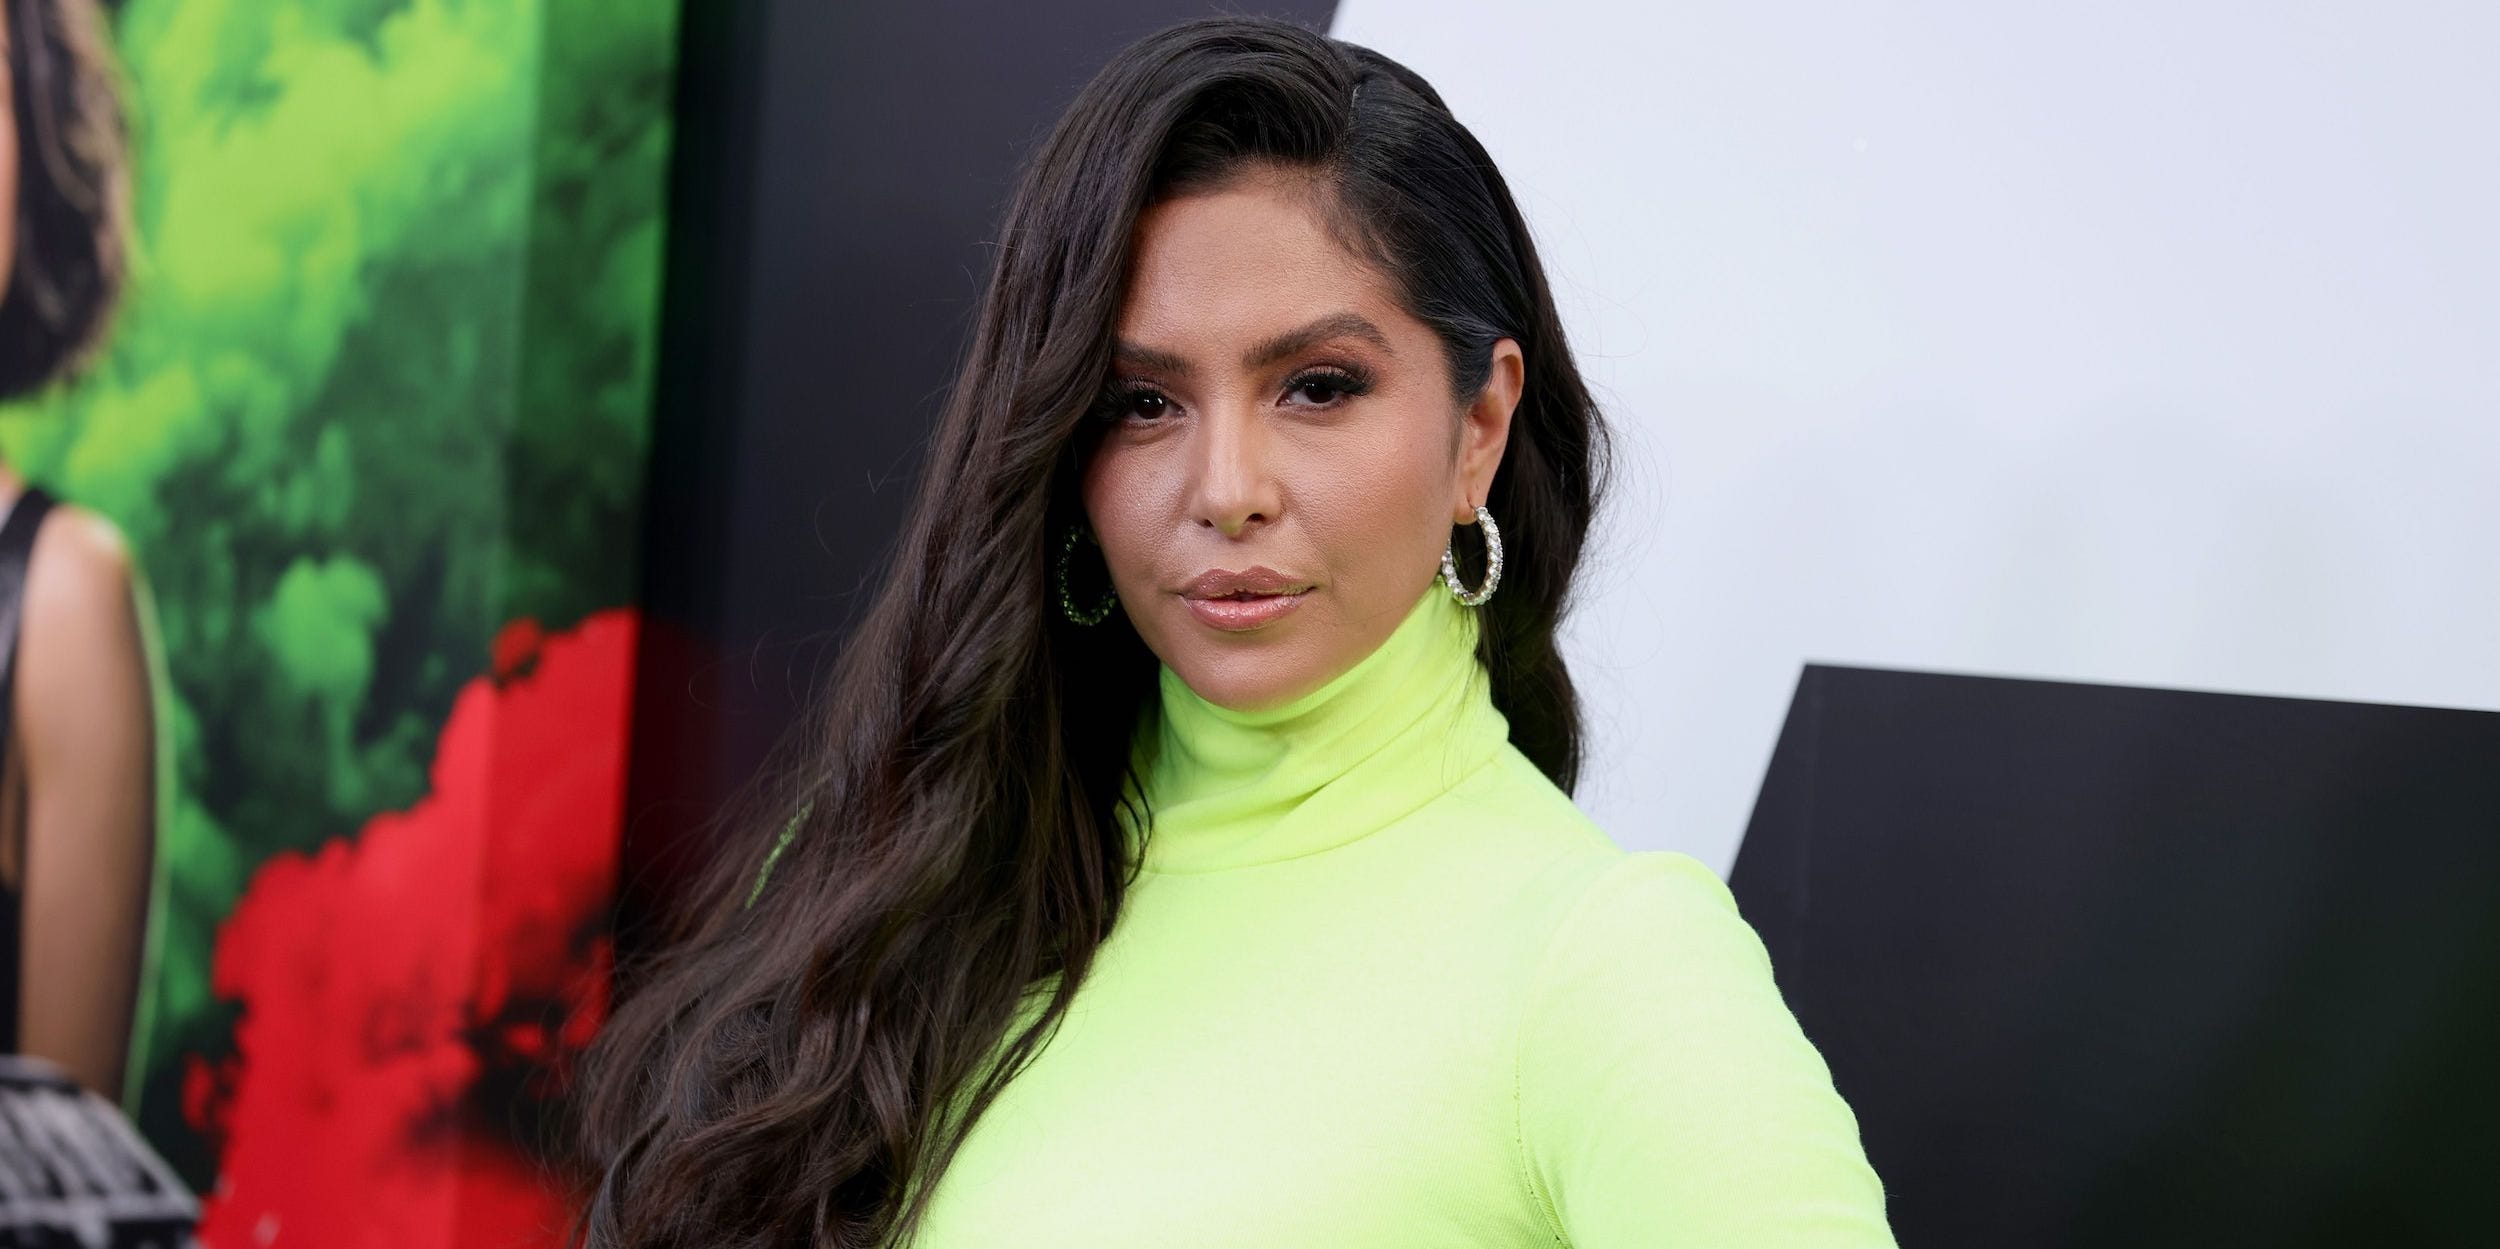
(1229, 788)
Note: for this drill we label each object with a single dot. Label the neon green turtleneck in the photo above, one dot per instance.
(1381, 984)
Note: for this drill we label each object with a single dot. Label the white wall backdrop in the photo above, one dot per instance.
(2145, 343)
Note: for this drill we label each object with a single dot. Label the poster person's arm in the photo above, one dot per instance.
(86, 719)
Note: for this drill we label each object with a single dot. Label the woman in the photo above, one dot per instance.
(77, 719)
(1239, 900)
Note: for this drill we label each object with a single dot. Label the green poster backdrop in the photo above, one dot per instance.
(373, 419)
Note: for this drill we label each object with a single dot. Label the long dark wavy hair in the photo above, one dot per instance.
(73, 195)
(797, 1065)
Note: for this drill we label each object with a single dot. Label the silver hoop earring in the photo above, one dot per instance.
(1067, 600)
(1492, 562)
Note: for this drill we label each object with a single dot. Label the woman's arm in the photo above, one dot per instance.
(85, 722)
(1667, 1095)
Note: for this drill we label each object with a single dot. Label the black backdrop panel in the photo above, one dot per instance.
(2102, 966)
(838, 170)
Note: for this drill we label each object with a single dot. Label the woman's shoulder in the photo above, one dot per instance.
(80, 577)
(1665, 1085)
(1570, 888)
(1536, 835)
(78, 625)
(79, 561)
(1595, 909)
(1652, 905)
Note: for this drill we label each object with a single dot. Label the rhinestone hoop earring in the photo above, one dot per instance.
(1492, 562)
(1067, 600)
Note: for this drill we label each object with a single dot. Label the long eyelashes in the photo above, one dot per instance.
(1347, 381)
(1120, 400)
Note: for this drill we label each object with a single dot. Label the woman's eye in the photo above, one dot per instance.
(1325, 387)
(1138, 402)
(1320, 388)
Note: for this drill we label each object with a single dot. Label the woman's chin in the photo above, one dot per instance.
(1249, 678)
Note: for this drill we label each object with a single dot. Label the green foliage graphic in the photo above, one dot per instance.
(381, 384)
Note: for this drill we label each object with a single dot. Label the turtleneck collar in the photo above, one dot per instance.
(1230, 788)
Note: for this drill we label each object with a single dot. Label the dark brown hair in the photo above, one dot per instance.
(72, 193)
(788, 1072)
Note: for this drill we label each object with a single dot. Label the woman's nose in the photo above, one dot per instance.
(1236, 483)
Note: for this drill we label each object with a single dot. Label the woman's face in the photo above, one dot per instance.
(1281, 417)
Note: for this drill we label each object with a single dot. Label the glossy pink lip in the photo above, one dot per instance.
(1243, 600)
(1219, 582)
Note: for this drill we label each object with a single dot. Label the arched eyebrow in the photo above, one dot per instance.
(1334, 325)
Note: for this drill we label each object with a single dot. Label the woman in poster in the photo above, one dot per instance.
(77, 724)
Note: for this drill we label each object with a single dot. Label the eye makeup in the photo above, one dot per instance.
(1344, 381)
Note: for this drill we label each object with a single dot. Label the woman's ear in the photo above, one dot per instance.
(1485, 430)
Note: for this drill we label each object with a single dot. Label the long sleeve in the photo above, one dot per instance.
(1667, 1095)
